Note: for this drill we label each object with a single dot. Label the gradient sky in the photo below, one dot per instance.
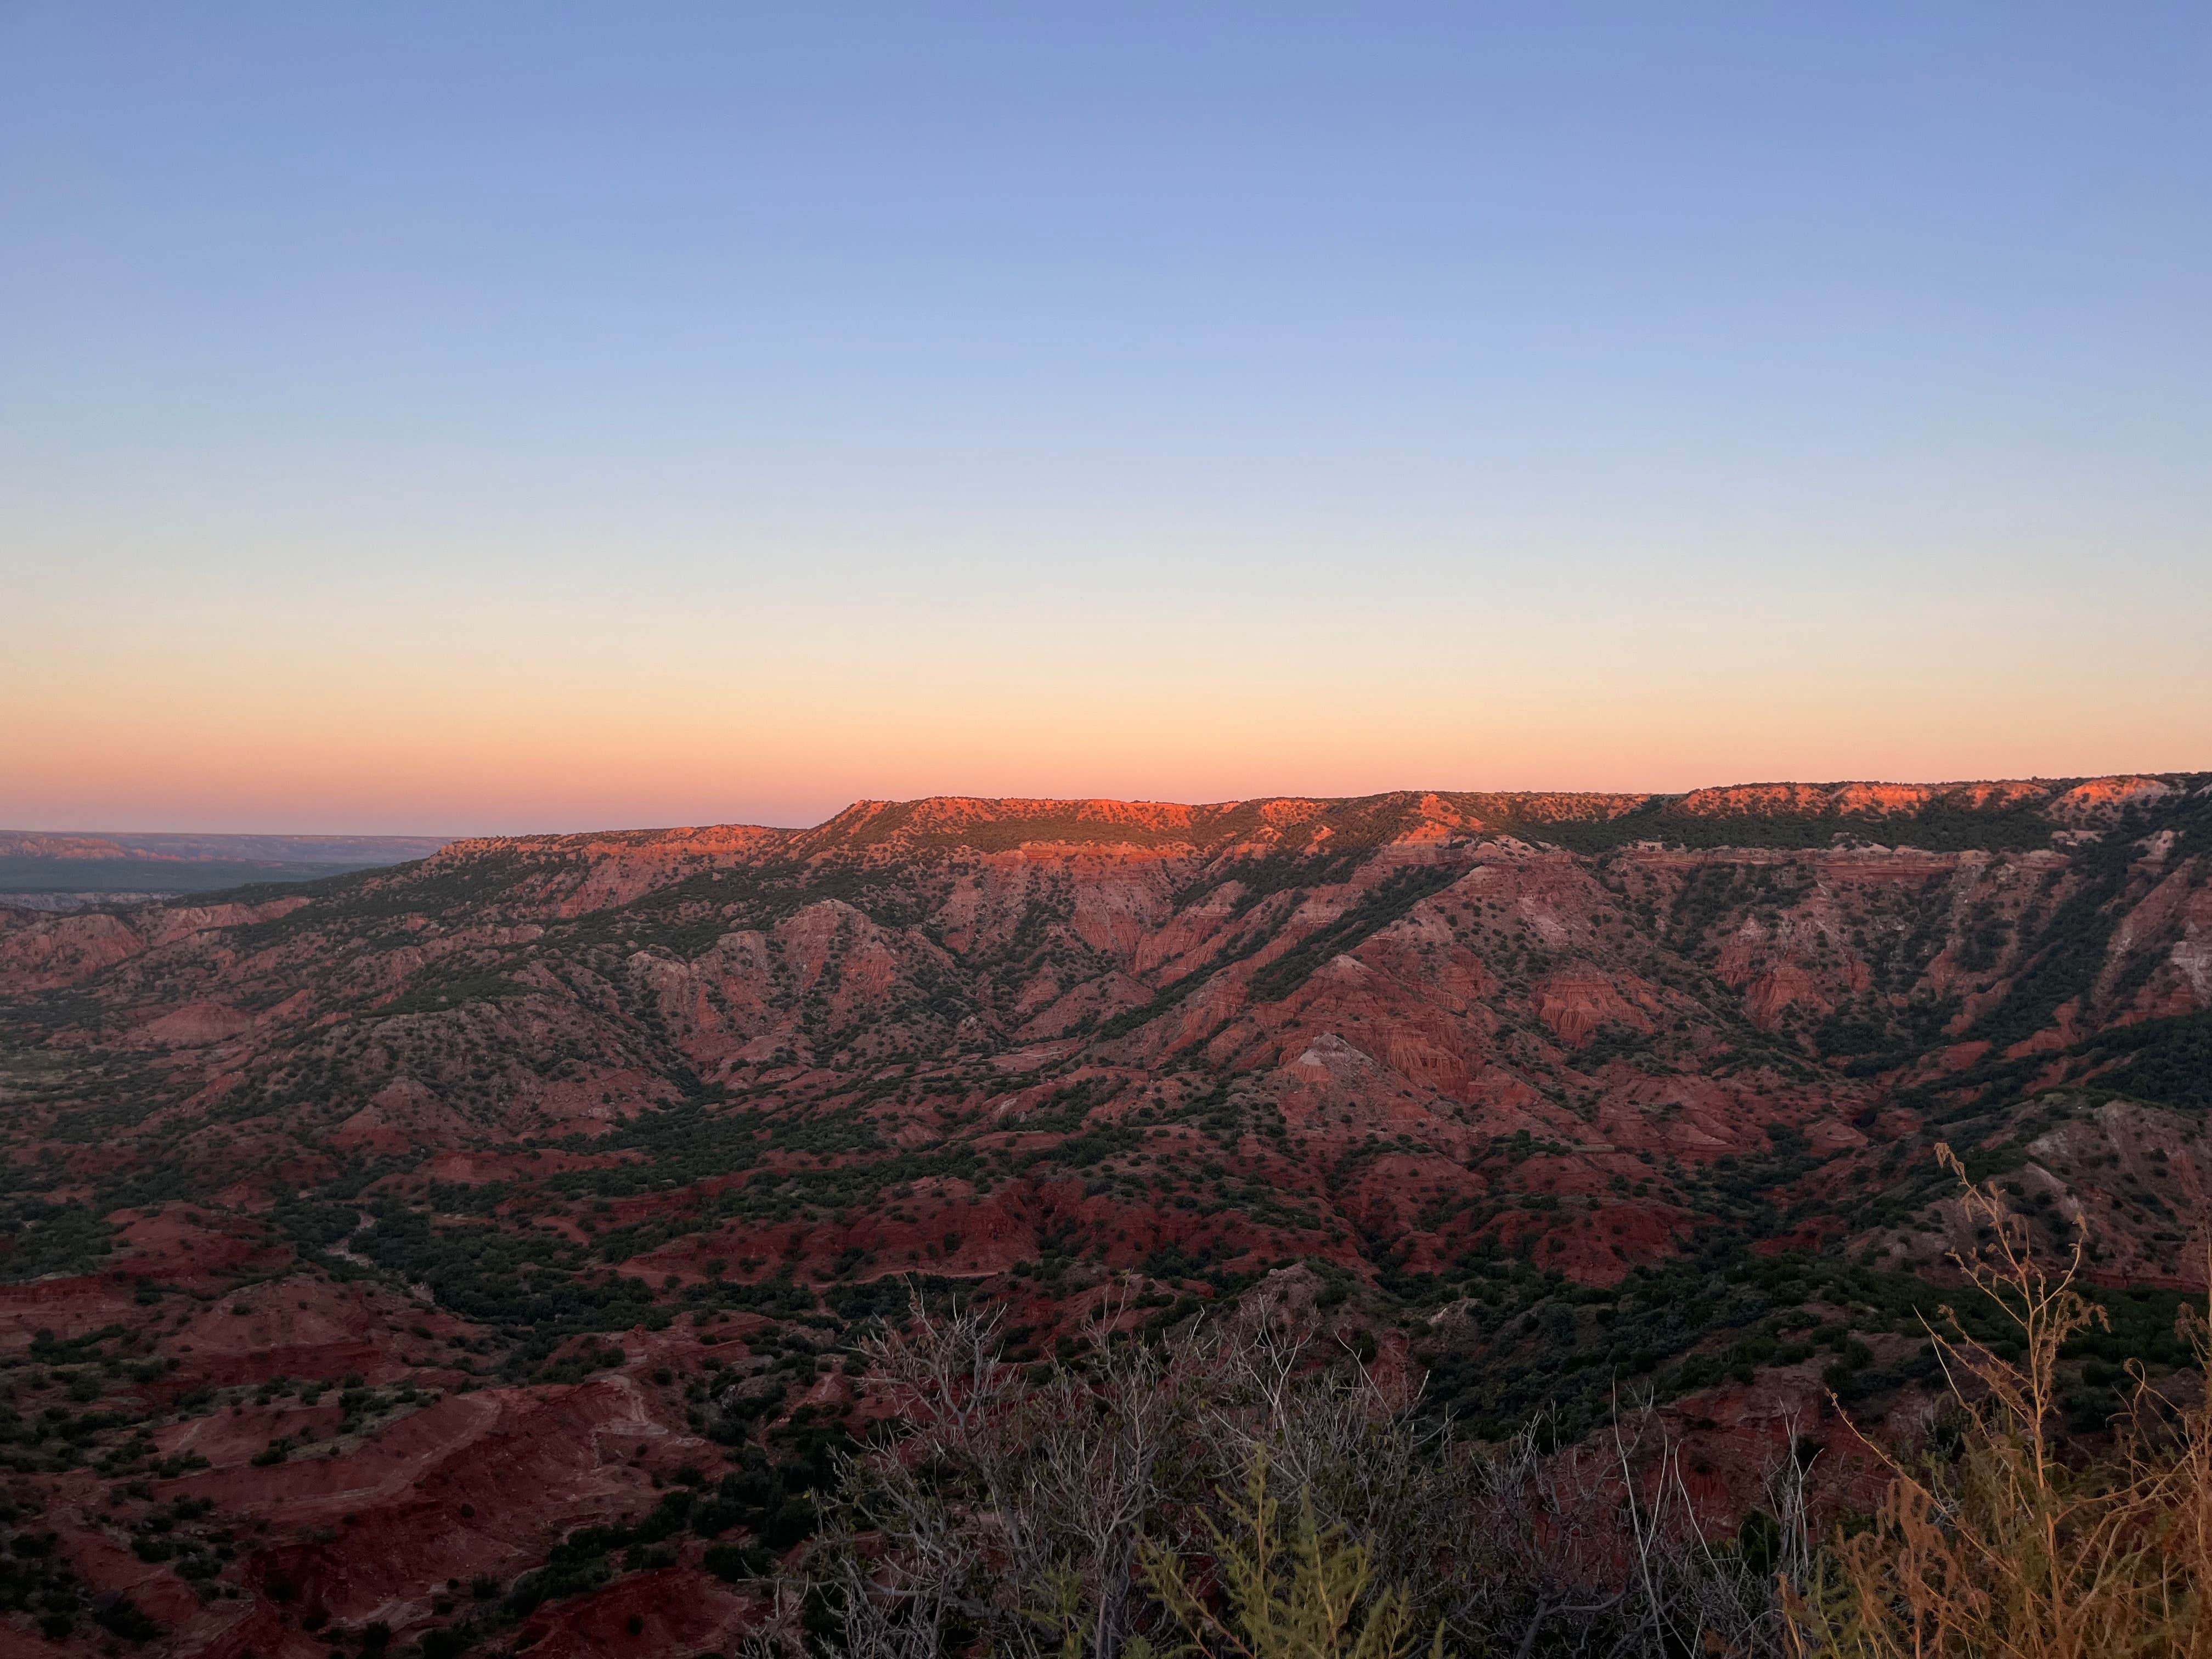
(423, 418)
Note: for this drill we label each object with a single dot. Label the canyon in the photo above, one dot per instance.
(498, 1229)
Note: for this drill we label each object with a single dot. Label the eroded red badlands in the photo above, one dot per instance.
(311, 1190)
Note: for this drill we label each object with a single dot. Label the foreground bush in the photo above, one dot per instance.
(1309, 1595)
(1250, 1491)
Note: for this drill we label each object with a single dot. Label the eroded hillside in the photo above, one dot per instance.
(370, 1237)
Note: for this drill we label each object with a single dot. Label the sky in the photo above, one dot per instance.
(450, 419)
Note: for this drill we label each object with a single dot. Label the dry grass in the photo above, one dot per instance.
(2012, 1549)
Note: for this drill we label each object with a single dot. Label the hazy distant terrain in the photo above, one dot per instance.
(53, 870)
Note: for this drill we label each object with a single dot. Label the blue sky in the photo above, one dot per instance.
(402, 407)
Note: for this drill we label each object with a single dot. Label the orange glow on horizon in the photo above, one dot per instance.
(486, 714)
